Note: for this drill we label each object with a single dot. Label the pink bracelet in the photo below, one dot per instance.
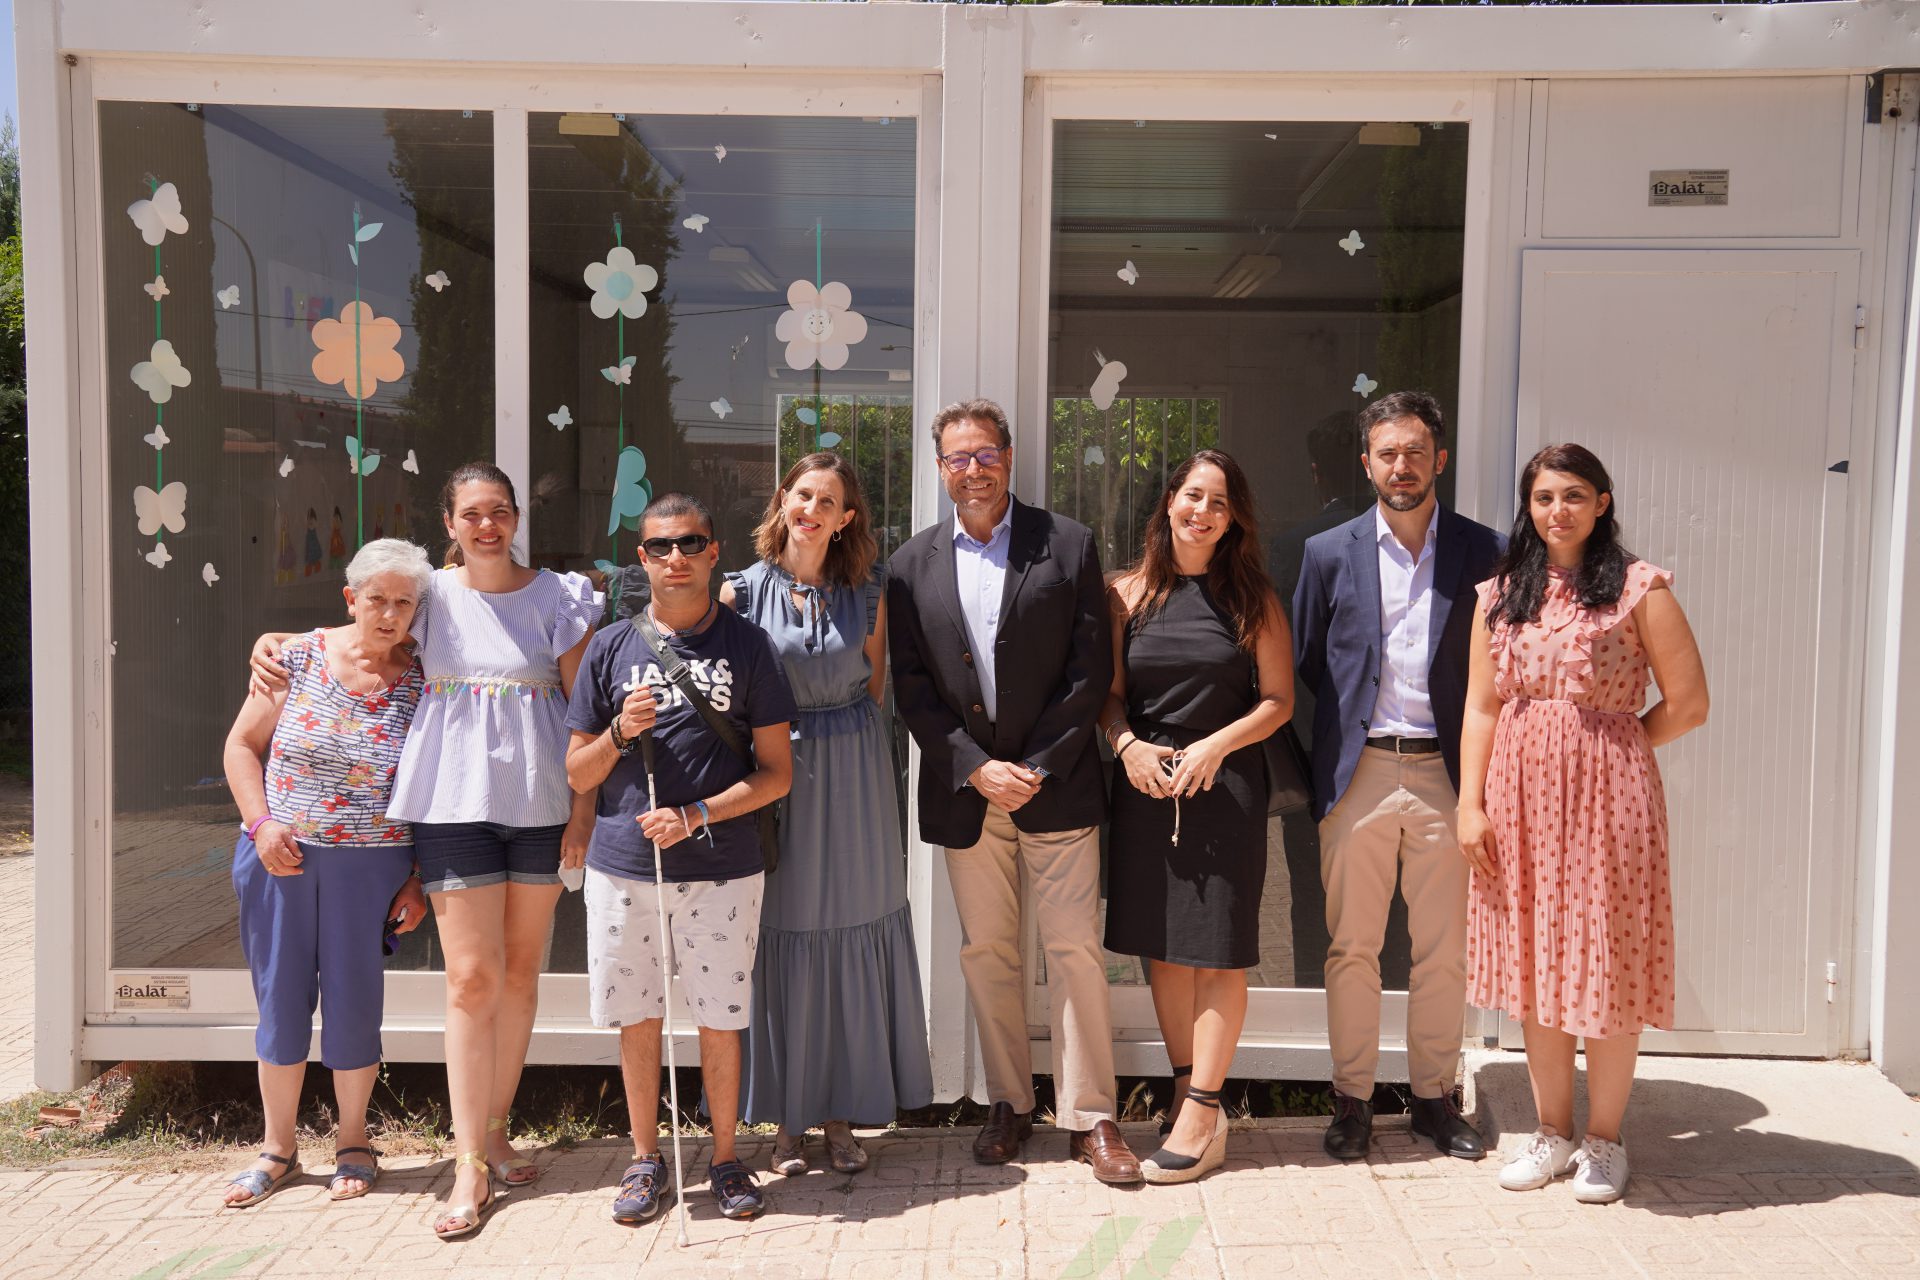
(252, 827)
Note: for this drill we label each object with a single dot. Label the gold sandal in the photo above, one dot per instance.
(467, 1215)
(505, 1169)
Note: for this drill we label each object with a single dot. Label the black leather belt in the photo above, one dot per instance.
(1406, 746)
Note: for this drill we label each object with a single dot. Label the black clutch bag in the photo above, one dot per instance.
(1289, 772)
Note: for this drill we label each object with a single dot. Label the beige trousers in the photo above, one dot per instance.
(1062, 874)
(1397, 817)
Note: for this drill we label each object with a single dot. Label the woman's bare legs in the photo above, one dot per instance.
(280, 1099)
(1610, 1065)
(1550, 1071)
(472, 925)
(527, 926)
(1216, 1004)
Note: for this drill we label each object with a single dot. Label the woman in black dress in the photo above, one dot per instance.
(1201, 676)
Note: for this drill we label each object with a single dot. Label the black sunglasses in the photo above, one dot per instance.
(690, 544)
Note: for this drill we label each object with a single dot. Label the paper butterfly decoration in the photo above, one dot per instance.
(828, 439)
(158, 437)
(160, 373)
(607, 567)
(1271, 137)
(438, 280)
(286, 466)
(620, 374)
(166, 509)
(208, 574)
(721, 407)
(1095, 455)
(1365, 385)
(696, 224)
(158, 215)
(1107, 385)
(719, 154)
(158, 289)
(360, 464)
(1129, 273)
(360, 237)
(561, 418)
(159, 556)
(631, 491)
(412, 464)
(228, 297)
(1353, 243)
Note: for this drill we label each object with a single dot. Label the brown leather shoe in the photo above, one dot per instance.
(1003, 1133)
(1104, 1149)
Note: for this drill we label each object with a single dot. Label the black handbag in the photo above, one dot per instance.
(767, 816)
(1289, 772)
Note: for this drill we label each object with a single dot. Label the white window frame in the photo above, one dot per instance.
(1286, 1027)
(221, 1021)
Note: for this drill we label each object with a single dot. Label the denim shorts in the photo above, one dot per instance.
(469, 855)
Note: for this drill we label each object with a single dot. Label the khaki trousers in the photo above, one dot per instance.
(1062, 874)
(1397, 816)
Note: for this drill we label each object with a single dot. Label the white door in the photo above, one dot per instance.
(1716, 387)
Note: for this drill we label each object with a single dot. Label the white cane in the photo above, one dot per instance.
(666, 1008)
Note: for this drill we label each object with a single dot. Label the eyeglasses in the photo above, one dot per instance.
(988, 457)
(689, 544)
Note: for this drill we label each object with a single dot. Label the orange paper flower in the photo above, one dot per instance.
(378, 362)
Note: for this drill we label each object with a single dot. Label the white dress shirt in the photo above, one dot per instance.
(1403, 708)
(981, 568)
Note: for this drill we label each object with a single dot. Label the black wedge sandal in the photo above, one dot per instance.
(1164, 1167)
(1179, 1074)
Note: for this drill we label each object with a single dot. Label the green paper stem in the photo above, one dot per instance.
(819, 406)
(620, 397)
(159, 410)
(359, 418)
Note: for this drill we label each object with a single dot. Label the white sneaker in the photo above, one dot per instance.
(1602, 1176)
(1545, 1157)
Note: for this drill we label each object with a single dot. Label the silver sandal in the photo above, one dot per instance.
(258, 1183)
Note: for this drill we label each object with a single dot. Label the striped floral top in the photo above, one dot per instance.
(330, 769)
(490, 741)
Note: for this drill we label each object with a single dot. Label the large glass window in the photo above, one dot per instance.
(1248, 286)
(712, 298)
(298, 310)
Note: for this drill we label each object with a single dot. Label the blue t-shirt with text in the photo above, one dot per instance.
(733, 663)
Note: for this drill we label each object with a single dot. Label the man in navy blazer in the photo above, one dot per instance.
(1382, 617)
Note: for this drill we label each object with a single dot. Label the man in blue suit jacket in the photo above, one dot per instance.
(1382, 617)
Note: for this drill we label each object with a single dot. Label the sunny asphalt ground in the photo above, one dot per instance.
(1780, 1169)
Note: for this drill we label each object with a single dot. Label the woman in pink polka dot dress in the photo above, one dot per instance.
(1570, 915)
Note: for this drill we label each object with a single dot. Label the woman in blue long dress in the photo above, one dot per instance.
(838, 1033)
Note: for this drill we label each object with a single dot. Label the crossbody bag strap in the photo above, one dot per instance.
(676, 670)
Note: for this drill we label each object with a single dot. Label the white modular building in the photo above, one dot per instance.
(289, 264)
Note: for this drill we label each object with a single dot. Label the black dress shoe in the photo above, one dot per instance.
(1439, 1119)
(1351, 1128)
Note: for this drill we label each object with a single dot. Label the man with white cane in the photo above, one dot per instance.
(680, 717)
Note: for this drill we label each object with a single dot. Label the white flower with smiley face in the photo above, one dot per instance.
(820, 325)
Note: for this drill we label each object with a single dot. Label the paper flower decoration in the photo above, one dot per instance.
(721, 407)
(159, 557)
(166, 509)
(158, 437)
(820, 325)
(620, 284)
(208, 574)
(1353, 243)
(158, 289)
(411, 465)
(561, 418)
(158, 215)
(228, 297)
(1107, 385)
(359, 373)
(160, 373)
(438, 281)
(359, 463)
(697, 223)
(1364, 385)
(631, 491)
(1129, 273)
(286, 466)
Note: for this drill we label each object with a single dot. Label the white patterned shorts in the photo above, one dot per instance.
(715, 927)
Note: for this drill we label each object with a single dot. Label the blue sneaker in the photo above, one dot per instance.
(734, 1187)
(642, 1190)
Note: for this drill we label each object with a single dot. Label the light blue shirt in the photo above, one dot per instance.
(1404, 708)
(981, 568)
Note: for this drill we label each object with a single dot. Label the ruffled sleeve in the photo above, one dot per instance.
(742, 592)
(577, 607)
(1506, 682)
(1642, 577)
(876, 591)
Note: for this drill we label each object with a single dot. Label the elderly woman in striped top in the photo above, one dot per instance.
(484, 783)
